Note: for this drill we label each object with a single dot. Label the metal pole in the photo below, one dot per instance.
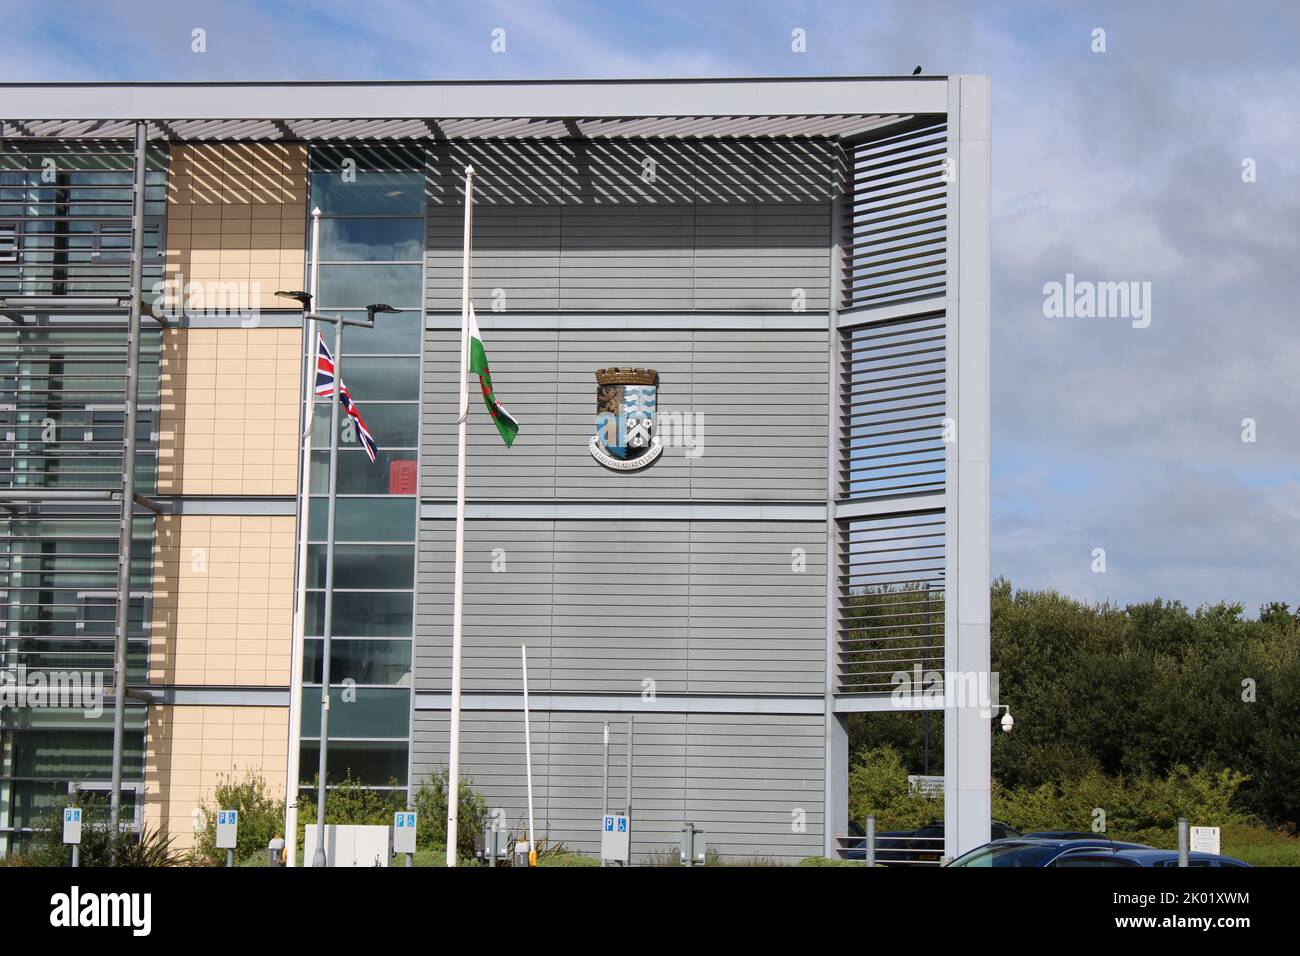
(926, 629)
(320, 859)
(1182, 841)
(528, 763)
(230, 858)
(871, 840)
(453, 762)
(128, 482)
(291, 783)
(630, 720)
(604, 792)
(76, 855)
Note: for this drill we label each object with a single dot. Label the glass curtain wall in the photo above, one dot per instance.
(65, 229)
(372, 251)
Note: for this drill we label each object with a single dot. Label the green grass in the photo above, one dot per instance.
(567, 859)
(826, 861)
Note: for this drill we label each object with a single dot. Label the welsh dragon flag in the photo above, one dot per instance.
(478, 364)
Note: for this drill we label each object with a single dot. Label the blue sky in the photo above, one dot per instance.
(1117, 166)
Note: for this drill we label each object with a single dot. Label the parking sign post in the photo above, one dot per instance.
(404, 834)
(72, 832)
(227, 830)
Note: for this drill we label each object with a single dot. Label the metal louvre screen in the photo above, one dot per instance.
(892, 408)
(895, 227)
(62, 408)
(891, 601)
(65, 218)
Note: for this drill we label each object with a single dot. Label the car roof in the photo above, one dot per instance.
(1149, 853)
(1070, 844)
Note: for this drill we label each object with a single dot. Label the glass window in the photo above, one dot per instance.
(392, 193)
(376, 712)
(366, 240)
(364, 519)
(379, 379)
(362, 613)
(394, 426)
(365, 662)
(391, 473)
(357, 285)
(393, 333)
(385, 566)
(375, 763)
(1006, 854)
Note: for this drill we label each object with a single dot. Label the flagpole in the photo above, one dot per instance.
(300, 595)
(328, 614)
(457, 612)
(528, 760)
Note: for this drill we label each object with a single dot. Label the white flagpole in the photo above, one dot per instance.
(300, 598)
(457, 612)
(528, 762)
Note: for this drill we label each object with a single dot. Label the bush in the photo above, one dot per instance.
(100, 845)
(351, 802)
(1142, 807)
(878, 785)
(260, 818)
(431, 808)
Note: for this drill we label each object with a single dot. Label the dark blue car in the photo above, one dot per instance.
(1045, 851)
(1159, 858)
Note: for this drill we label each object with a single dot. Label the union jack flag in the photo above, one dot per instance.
(325, 388)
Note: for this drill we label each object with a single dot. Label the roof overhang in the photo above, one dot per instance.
(833, 107)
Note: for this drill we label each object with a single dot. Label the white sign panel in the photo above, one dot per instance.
(404, 831)
(1205, 840)
(72, 824)
(227, 824)
(615, 837)
(927, 786)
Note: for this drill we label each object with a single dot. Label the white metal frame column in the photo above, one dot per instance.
(967, 725)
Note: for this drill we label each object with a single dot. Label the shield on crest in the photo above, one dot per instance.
(626, 410)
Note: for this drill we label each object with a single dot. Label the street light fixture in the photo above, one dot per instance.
(302, 298)
(319, 858)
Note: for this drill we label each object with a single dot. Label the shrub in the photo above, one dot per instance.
(260, 818)
(100, 845)
(878, 785)
(431, 808)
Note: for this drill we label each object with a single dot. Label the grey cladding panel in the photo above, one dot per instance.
(696, 607)
(752, 783)
(753, 404)
(649, 225)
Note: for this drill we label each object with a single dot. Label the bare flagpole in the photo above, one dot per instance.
(457, 613)
(528, 761)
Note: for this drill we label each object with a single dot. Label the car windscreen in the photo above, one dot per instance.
(1006, 854)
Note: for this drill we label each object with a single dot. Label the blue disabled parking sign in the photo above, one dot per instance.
(227, 827)
(404, 831)
(615, 837)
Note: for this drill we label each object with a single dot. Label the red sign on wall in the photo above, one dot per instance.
(403, 478)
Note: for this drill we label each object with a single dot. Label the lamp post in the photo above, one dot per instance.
(327, 631)
(292, 789)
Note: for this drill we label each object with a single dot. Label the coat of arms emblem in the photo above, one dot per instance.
(626, 407)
